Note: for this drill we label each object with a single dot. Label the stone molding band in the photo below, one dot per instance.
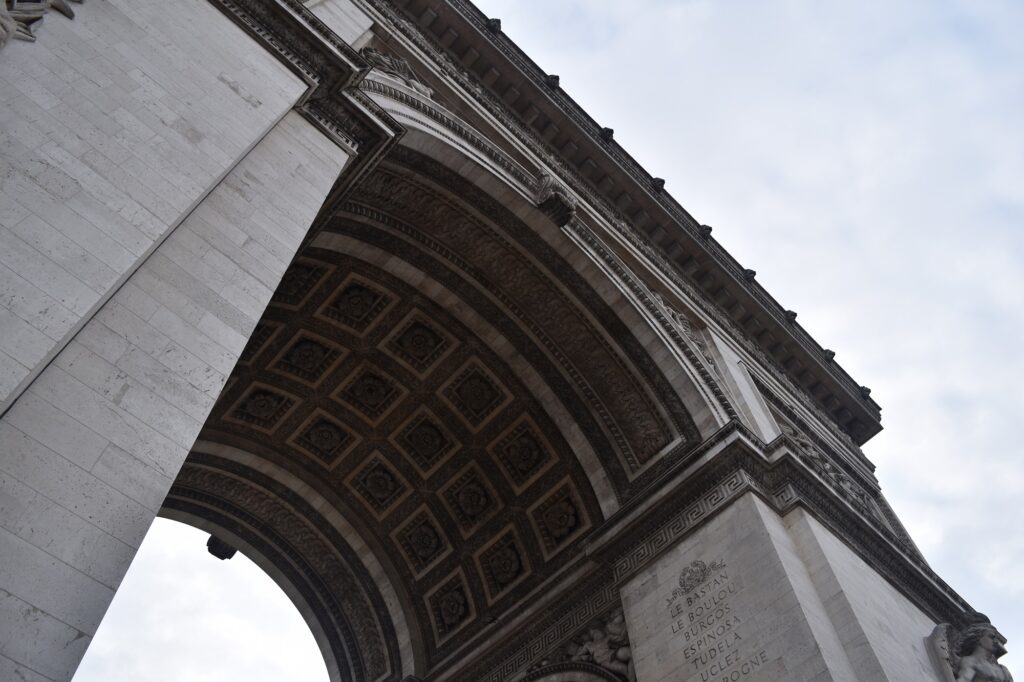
(741, 464)
(393, 17)
(318, 563)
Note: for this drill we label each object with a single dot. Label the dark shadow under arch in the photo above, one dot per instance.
(304, 554)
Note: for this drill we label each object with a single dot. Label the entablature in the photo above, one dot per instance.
(453, 101)
(501, 86)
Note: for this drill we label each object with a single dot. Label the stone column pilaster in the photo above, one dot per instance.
(89, 450)
(753, 596)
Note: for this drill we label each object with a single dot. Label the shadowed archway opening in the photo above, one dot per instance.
(182, 614)
(443, 400)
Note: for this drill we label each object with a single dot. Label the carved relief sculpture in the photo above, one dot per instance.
(971, 654)
(606, 645)
(397, 67)
(842, 483)
(555, 201)
(18, 16)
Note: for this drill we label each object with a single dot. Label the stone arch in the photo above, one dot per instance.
(666, 388)
(334, 584)
(472, 157)
(447, 395)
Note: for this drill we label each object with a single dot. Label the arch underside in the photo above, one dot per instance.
(443, 380)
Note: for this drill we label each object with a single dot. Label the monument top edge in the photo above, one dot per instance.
(856, 412)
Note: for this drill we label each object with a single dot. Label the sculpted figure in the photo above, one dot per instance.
(971, 654)
(397, 67)
(607, 647)
(8, 26)
(16, 19)
(980, 646)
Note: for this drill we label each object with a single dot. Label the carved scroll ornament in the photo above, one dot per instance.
(18, 16)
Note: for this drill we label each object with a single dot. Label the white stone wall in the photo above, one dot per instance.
(882, 631)
(113, 126)
(788, 602)
(89, 450)
(349, 22)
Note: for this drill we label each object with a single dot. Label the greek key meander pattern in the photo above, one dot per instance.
(677, 526)
(728, 476)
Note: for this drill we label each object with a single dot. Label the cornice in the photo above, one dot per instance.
(784, 475)
(334, 103)
(683, 500)
(459, 132)
(333, 71)
(721, 283)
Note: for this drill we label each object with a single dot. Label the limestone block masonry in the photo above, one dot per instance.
(113, 127)
(356, 287)
(88, 452)
(752, 596)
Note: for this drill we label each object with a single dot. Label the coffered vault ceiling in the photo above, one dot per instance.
(436, 373)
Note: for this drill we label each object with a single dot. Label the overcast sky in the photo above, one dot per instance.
(867, 160)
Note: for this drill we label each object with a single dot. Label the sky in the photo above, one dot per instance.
(867, 160)
(182, 615)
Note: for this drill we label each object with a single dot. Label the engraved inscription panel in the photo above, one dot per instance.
(709, 625)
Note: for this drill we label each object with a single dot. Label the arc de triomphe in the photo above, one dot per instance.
(357, 288)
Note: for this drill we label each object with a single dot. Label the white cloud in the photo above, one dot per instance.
(867, 159)
(181, 615)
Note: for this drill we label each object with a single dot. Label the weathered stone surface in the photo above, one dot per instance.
(88, 452)
(110, 138)
(504, 412)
